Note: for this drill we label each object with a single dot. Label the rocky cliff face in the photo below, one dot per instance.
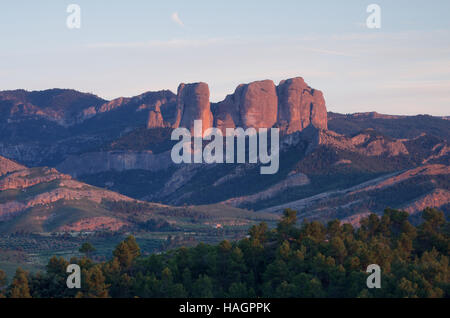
(258, 104)
(8, 166)
(300, 106)
(155, 118)
(193, 104)
(252, 105)
(292, 106)
(367, 143)
(153, 102)
(95, 162)
(26, 178)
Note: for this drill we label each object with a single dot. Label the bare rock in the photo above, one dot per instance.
(7, 166)
(300, 106)
(292, 106)
(155, 118)
(193, 104)
(259, 103)
(252, 105)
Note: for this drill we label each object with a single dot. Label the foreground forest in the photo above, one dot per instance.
(311, 260)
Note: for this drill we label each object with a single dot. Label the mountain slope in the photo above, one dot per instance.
(41, 200)
(42, 128)
(124, 146)
(390, 125)
(311, 162)
(7, 166)
(411, 190)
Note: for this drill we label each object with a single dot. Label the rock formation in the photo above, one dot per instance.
(193, 104)
(252, 105)
(300, 106)
(8, 166)
(258, 107)
(155, 118)
(292, 106)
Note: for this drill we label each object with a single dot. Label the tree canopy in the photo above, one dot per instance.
(308, 260)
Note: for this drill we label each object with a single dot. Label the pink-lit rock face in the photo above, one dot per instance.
(155, 119)
(258, 104)
(252, 105)
(193, 104)
(300, 106)
(7, 166)
(292, 106)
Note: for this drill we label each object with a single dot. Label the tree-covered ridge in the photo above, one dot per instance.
(311, 260)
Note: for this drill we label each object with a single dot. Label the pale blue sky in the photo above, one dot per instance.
(127, 47)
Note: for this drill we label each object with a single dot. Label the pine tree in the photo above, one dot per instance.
(19, 287)
(94, 285)
(87, 248)
(127, 251)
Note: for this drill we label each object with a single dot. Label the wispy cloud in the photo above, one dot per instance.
(176, 18)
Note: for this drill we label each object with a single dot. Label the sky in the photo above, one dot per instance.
(125, 48)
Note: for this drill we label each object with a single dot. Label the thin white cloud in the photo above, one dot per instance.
(176, 18)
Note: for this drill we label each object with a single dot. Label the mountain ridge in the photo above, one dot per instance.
(124, 146)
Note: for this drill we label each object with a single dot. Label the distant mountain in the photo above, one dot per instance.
(313, 163)
(124, 146)
(390, 125)
(412, 191)
(44, 128)
(63, 106)
(43, 200)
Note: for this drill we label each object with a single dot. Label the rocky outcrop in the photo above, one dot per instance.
(151, 101)
(258, 104)
(252, 105)
(366, 143)
(7, 166)
(292, 106)
(300, 106)
(193, 104)
(114, 104)
(23, 179)
(155, 118)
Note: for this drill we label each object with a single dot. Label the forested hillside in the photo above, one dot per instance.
(311, 260)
